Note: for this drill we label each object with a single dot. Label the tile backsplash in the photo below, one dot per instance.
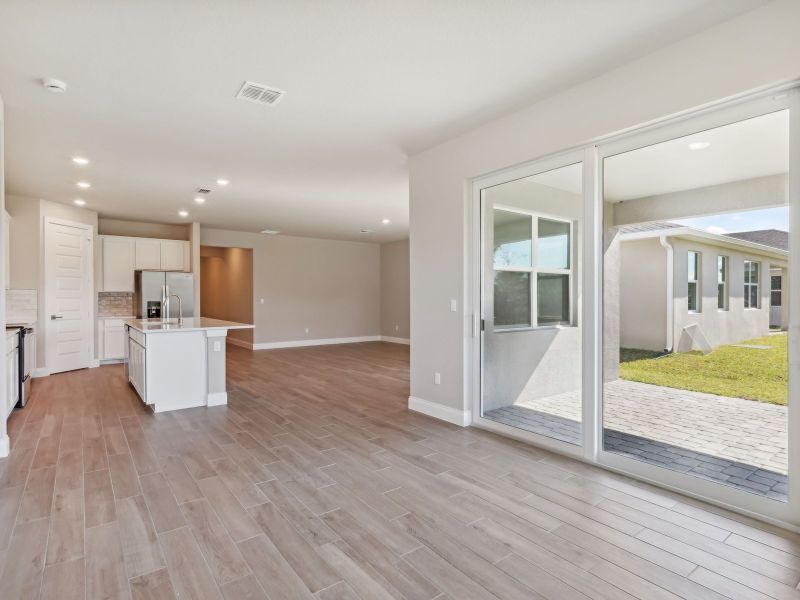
(114, 304)
(21, 306)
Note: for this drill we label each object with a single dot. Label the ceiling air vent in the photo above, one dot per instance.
(202, 191)
(259, 93)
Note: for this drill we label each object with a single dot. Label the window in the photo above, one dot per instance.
(532, 270)
(693, 295)
(722, 282)
(775, 290)
(751, 277)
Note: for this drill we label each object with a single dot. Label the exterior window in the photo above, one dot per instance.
(751, 279)
(775, 290)
(722, 282)
(532, 270)
(693, 294)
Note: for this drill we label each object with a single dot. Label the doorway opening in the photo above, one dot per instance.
(226, 288)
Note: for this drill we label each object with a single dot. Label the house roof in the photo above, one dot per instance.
(767, 241)
(774, 238)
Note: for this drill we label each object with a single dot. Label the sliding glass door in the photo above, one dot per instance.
(532, 228)
(636, 304)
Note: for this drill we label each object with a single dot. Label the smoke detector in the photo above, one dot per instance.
(259, 93)
(54, 85)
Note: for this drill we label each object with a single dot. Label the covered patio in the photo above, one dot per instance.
(737, 442)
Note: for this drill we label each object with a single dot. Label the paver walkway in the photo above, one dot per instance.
(738, 442)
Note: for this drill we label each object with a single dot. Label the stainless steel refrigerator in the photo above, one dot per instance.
(152, 292)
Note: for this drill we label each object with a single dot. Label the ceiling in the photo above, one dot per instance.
(151, 86)
(756, 147)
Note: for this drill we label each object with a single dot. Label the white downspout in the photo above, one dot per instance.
(668, 347)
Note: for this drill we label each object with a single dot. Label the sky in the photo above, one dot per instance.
(753, 220)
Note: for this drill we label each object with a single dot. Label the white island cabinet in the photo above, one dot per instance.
(174, 365)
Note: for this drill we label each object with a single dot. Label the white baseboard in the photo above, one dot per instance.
(323, 342)
(240, 343)
(395, 340)
(40, 372)
(5, 446)
(111, 361)
(462, 418)
(94, 363)
(217, 399)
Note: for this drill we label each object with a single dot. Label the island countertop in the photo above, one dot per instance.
(188, 324)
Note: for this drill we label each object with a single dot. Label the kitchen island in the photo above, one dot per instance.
(174, 364)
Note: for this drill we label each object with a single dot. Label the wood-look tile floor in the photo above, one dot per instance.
(316, 482)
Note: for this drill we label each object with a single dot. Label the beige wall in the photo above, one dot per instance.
(395, 293)
(141, 229)
(226, 286)
(330, 287)
(758, 48)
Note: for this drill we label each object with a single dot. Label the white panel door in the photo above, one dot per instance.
(148, 254)
(117, 264)
(68, 295)
(172, 255)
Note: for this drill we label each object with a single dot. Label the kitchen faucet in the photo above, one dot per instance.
(180, 307)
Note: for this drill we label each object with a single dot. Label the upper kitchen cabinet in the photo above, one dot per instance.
(174, 255)
(118, 263)
(148, 253)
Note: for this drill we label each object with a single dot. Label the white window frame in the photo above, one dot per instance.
(757, 285)
(725, 273)
(698, 277)
(534, 271)
(772, 290)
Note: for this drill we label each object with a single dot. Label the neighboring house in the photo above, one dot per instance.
(681, 287)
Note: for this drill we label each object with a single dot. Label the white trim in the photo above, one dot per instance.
(463, 418)
(395, 340)
(5, 446)
(94, 363)
(217, 399)
(40, 372)
(322, 342)
(110, 361)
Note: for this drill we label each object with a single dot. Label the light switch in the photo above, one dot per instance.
(262, 301)
(453, 305)
(217, 346)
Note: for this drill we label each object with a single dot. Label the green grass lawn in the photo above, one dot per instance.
(728, 371)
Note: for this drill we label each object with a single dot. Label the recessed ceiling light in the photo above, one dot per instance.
(84, 184)
(183, 213)
(54, 85)
(79, 202)
(366, 231)
(223, 181)
(385, 221)
(79, 160)
(699, 145)
(270, 231)
(199, 199)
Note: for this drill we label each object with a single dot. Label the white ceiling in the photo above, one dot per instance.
(754, 148)
(152, 84)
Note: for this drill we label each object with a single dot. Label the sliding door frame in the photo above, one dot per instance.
(786, 96)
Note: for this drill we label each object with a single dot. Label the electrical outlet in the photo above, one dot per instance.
(306, 329)
(397, 327)
(217, 346)
(262, 301)
(437, 378)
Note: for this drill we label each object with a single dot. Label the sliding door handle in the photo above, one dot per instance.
(54, 317)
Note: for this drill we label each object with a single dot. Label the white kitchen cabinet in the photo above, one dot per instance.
(118, 264)
(112, 332)
(174, 255)
(148, 253)
(12, 372)
(137, 367)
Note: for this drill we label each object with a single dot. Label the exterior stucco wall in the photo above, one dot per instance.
(533, 363)
(643, 295)
(719, 327)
